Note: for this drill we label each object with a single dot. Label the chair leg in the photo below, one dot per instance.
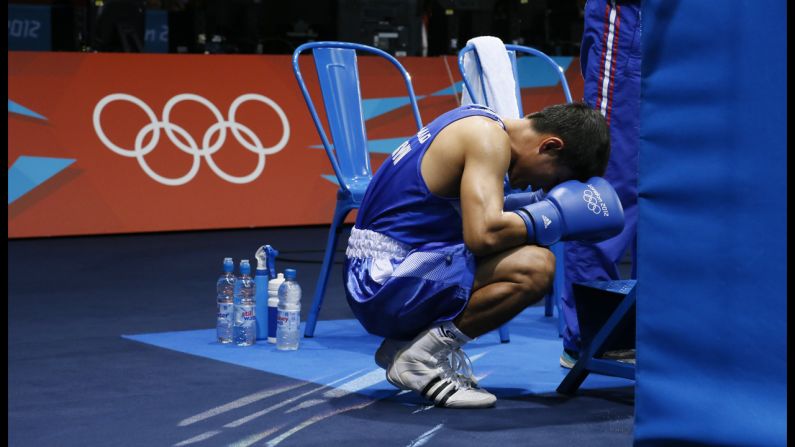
(325, 269)
(558, 284)
(548, 303)
(574, 378)
(504, 336)
(551, 299)
(596, 348)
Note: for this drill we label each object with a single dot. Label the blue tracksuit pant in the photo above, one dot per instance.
(610, 59)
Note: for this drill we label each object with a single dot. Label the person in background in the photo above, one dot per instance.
(610, 57)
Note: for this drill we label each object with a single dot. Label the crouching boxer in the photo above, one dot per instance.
(435, 259)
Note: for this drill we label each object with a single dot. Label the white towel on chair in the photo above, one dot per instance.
(497, 76)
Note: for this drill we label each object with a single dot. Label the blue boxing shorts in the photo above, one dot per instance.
(397, 292)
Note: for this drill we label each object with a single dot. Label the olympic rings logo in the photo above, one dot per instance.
(207, 148)
(591, 201)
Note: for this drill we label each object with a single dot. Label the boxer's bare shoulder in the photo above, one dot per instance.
(474, 137)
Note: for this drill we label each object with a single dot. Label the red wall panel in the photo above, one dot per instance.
(189, 179)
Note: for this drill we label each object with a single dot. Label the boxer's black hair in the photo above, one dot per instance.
(585, 135)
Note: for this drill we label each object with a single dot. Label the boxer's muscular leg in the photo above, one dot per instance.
(505, 284)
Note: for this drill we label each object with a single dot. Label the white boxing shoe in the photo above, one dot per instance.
(436, 367)
(387, 350)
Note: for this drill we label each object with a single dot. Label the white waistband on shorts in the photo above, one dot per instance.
(371, 244)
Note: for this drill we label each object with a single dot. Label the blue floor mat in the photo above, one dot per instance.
(341, 356)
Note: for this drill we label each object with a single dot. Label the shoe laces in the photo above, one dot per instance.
(457, 366)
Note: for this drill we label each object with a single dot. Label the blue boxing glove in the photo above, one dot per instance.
(519, 199)
(574, 211)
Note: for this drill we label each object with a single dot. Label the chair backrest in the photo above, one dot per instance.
(338, 76)
(512, 54)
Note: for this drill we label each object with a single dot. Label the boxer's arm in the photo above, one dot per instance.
(487, 228)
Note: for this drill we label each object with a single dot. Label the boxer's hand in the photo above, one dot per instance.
(519, 199)
(574, 211)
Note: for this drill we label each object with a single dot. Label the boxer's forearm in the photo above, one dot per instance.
(496, 233)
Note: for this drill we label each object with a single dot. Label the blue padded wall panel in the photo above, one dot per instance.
(711, 311)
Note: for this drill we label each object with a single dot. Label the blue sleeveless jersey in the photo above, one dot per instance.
(397, 202)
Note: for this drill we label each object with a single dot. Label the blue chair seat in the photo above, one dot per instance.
(357, 187)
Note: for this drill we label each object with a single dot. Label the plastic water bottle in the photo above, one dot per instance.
(245, 330)
(289, 317)
(273, 305)
(225, 295)
(266, 271)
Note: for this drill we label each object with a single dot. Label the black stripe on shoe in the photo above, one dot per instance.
(445, 385)
(443, 401)
(430, 385)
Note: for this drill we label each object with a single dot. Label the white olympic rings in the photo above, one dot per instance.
(591, 201)
(251, 142)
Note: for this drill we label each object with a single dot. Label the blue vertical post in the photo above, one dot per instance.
(712, 300)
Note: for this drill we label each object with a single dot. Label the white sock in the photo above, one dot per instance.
(449, 331)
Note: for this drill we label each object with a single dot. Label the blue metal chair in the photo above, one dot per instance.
(553, 298)
(338, 75)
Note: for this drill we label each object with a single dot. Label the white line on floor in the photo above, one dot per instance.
(275, 441)
(257, 414)
(245, 442)
(421, 409)
(425, 437)
(201, 437)
(373, 377)
(243, 401)
(306, 404)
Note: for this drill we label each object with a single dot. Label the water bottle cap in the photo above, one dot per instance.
(289, 274)
(229, 265)
(245, 267)
(274, 283)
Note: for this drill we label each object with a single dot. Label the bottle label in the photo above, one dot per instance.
(245, 315)
(288, 321)
(225, 312)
